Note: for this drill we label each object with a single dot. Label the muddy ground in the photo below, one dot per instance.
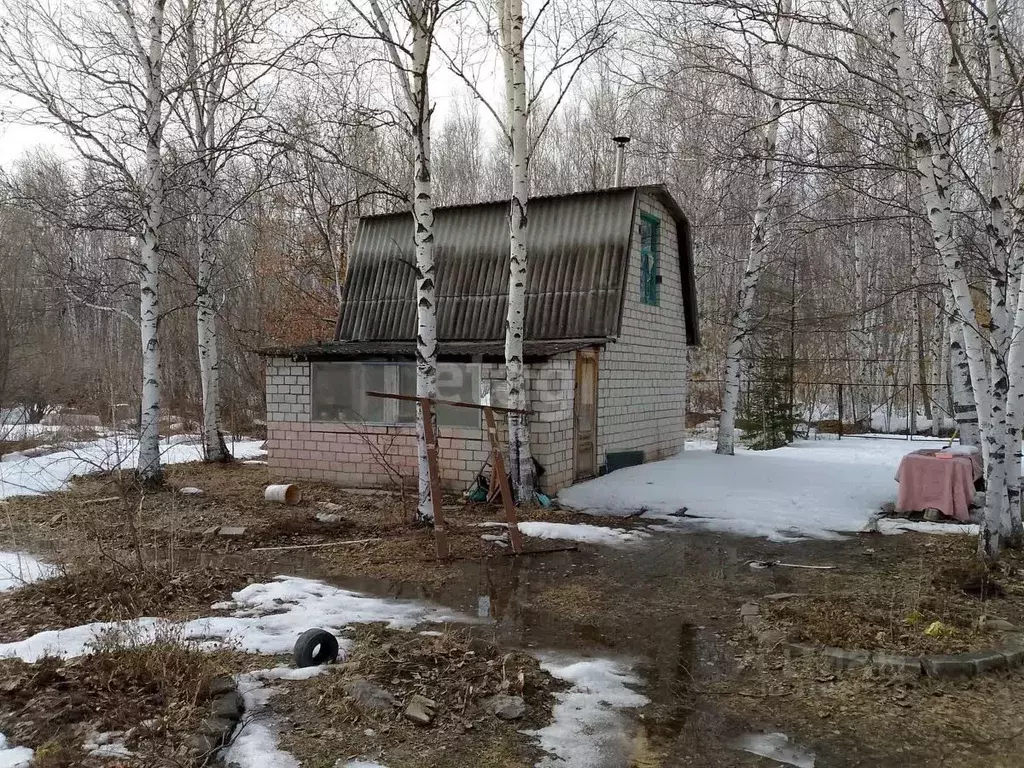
(670, 604)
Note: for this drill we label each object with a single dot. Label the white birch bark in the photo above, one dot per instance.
(932, 158)
(862, 334)
(151, 61)
(1004, 438)
(414, 85)
(965, 410)
(426, 274)
(205, 97)
(756, 257)
(510, 25)
(1015, 402)
(214, 447)
(936, 348)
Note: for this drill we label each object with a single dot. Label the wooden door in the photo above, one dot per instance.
(585, 415)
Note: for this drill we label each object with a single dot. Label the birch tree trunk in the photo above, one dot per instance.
(510, 24)
(1004, 438)
(932, 158)
(422, 16)
(151, 61)
(741, 320)
(206, 94)
(965, 410)
(862, 334)
(426, 273)
(214, 447)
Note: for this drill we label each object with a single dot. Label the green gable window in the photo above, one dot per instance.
(650, 272)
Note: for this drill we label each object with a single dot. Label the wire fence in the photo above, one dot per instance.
(892, 410)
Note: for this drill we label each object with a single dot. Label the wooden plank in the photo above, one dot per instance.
(319, 546)
(454, 403)
(506, 493)
(440, 537)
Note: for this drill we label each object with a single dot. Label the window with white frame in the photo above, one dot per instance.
(339, 393)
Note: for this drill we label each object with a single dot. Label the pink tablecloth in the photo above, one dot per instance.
(927, 482)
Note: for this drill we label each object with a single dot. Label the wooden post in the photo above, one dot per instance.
(498, 465)
(426, 404)
(440, 537)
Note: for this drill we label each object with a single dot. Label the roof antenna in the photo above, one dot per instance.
(620, 158)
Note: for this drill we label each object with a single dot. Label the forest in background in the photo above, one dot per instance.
(318, 141)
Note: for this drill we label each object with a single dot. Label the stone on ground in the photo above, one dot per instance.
(506, 707)
(421, 710)
(370, 696)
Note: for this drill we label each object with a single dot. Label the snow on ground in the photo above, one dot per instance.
(891, 525)
(266, 618)
(255, 742)
(13, 757)
(581, 532)
(812, 489)
(588, 729)
(777, 747)
(17, 569)
(42, 474)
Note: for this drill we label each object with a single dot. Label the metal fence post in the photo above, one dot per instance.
(840, 431)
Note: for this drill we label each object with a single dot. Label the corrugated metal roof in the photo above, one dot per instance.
(406, 350)
(578, 248)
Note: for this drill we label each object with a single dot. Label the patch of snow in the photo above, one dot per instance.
(52, 472)
(587, 729)
(812, 489)
(893, 525)
(14, 757)
(266, 618)
(17, 569)
(255, 741)
(777, 747)
(581, 532)
(363, 764)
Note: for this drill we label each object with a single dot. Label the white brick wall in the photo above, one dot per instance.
(642, 375)
(288, 385)
(349, 454)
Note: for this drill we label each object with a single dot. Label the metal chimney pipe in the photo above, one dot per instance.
(620, 158)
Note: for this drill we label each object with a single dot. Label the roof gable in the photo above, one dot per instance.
(578, 248)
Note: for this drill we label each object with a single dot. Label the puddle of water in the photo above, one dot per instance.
(636, 616)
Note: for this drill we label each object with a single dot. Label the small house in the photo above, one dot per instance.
(611, 310)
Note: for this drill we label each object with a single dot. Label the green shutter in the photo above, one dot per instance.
(649, 267)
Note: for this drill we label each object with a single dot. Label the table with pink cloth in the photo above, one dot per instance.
(942, 480)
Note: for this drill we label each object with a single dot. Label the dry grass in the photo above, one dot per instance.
(155, 693)
(864, 718)
(454, 669)
(108, 517)
(888, 607)
(98, 592)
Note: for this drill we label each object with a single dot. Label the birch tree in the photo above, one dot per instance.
(210, 67)
(996, 388)
(96, 74)
(411, 64)
(571, 39)
(759, 244)
(223, 66)
(513, 56)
